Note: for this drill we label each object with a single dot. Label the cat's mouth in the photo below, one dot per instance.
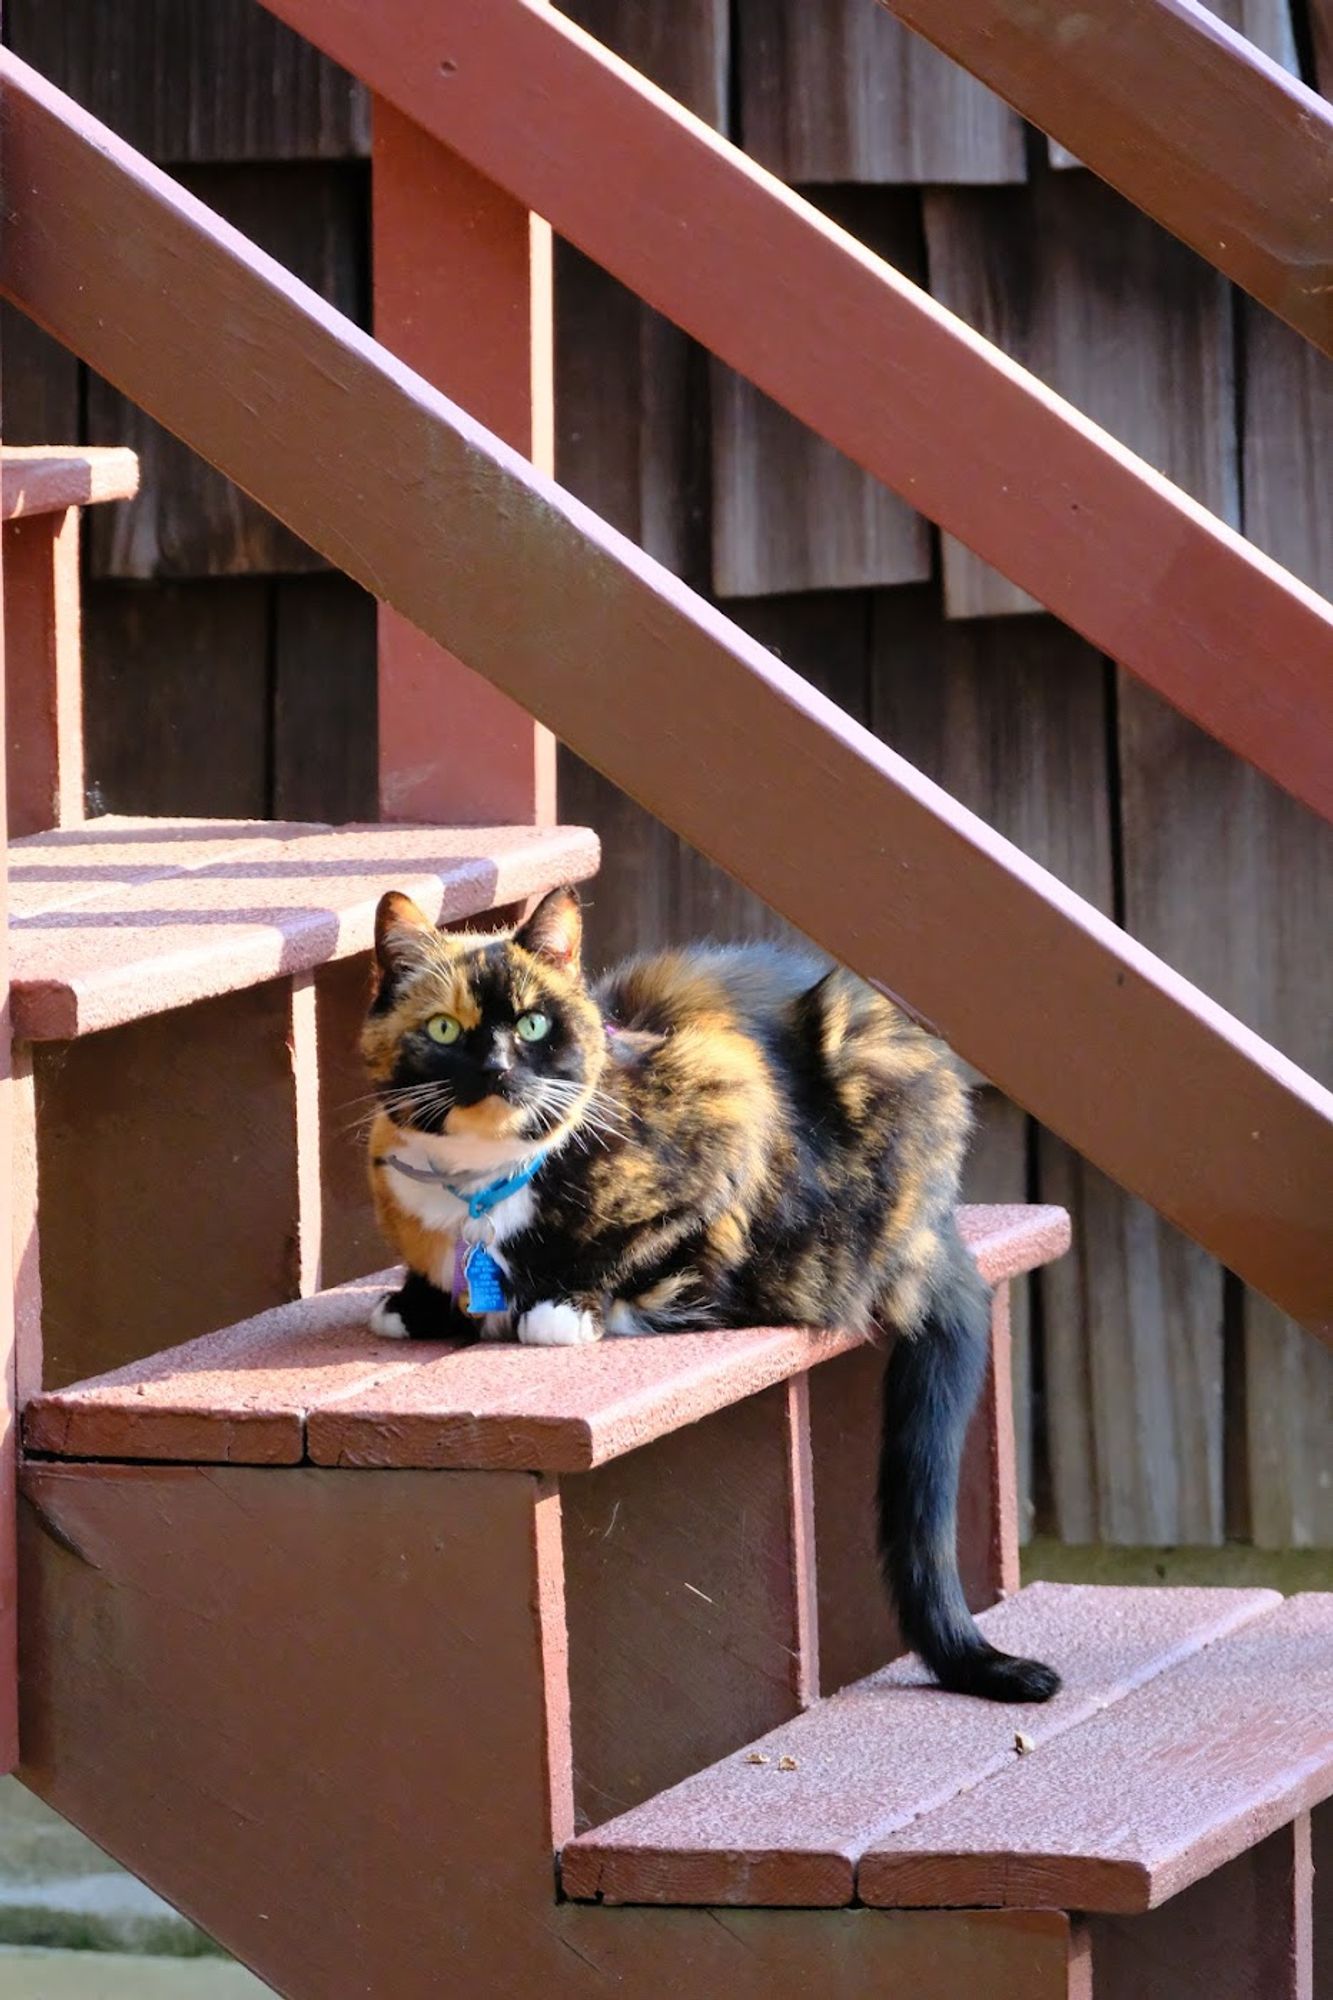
(489, 1118)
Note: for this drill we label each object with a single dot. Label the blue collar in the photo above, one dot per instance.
(484, 1199)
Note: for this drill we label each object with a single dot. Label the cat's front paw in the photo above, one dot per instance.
(557, 1323)
(387, 1321)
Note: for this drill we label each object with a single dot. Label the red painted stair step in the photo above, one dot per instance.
(1193, 1724)
(121, 918)
(309, 1380)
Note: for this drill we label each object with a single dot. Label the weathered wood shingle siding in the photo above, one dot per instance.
(1158, 1401)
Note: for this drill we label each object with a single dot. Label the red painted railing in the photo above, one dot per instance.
(1099, 1039)
(1192, 122)
(865, 358)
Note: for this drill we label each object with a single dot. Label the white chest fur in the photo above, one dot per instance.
(442, 1212)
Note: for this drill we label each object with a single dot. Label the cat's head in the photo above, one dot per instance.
(493, 1041)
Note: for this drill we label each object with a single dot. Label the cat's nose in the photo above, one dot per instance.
(499, 1061)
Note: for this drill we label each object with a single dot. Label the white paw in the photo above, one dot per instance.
(386, 1322)
(556, 1324)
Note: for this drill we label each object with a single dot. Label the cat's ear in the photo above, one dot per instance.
(554, 931)
(401, 930)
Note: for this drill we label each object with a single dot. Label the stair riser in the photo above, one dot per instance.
(1244, 1933)
(350, 1759)
(44, 695)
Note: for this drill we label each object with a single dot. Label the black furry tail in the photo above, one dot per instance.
(931, 1385)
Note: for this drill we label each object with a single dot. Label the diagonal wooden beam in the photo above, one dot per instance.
(1186, 117)
(1156, 1084)
(865, 358)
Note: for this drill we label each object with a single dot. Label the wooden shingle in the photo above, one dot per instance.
(195, 80)
(844, 92)
(1108, 310)
(789, 512)
(188, 521)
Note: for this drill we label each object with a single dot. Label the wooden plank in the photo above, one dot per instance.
(463, 295)
(303, 1051)
(632, 417)
(1148, 1796)
(116, 1118)
(44, 706)
(458, 1642)
(881, 1756)
(789, 512)
(1243, 179)
(189, 521)
(1134, 1362)
(1287, 444)
(1241, 1932)
(877, 370)
(18, 1192)
(1288, 1411)
(1266, 23)
(685, 49)
(684, 1636)
(632, 442)
(243, 1402)
(352, 1242)
(175, 693)
(1107, 310)
(845, 94)
(1256, 930)
(184, 81)
(997, 1170)
(1321, 1828)
(324, 744)
(653, 887)
(1321, 22)
(39, 382)
(46, 479)
(258, 910)
(1011, 717)
(509, 1406)
(1177, 1092)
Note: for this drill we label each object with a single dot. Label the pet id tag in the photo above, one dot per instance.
(479, 1281)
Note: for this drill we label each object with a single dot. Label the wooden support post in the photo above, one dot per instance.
(1321, 1842)
(857, 1632)
(463, 295)
(44, 703)
(1242, 1933)
(303, 1044)
(27, 1274)
(8, 1385)
(391, 1824)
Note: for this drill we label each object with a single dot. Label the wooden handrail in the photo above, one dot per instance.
(1107, 1045)
(865, 358)
(1194, 124)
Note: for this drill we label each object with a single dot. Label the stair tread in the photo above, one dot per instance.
(1166, 1786)
(48, 478)
(1192, 1723)
(310, 1381)
(123, 918)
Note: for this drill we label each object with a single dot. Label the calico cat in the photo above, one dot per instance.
(723, 1136)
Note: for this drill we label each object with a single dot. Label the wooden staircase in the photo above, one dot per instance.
(507, 1671)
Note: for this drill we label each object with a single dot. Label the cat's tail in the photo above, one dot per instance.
(931, 1385)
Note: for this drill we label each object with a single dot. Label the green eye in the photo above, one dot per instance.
(532, 1027)
(443, 1028)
